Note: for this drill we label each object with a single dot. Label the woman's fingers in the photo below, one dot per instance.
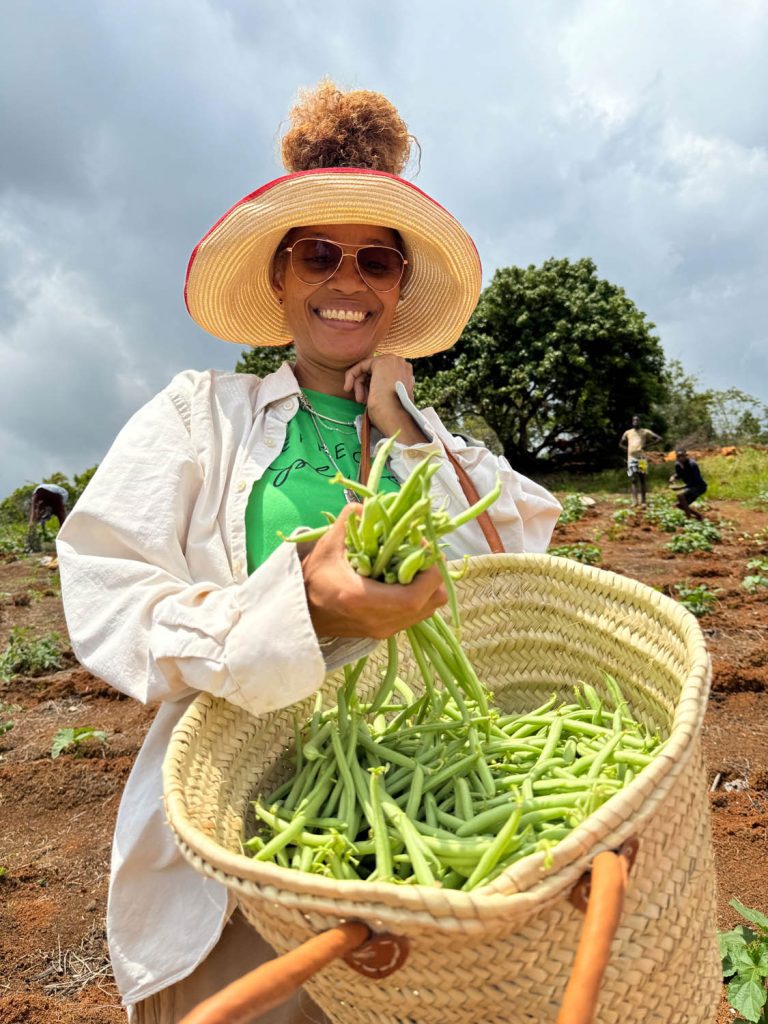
(357, 378)
(342, 603)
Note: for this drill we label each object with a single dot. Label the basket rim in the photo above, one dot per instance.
(527, 880)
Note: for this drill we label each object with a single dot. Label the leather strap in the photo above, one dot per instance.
(365, 449)
(484, 520)
(608, 884)
(276, 980)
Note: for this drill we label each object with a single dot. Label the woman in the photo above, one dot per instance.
(174, 578)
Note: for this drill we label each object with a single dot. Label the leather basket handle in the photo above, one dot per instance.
(275, 981)
(378, 956)
(607, 885)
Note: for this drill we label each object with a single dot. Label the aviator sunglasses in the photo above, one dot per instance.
(316, 260)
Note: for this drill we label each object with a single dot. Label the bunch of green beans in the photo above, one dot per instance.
(442, 788)
(425, 790)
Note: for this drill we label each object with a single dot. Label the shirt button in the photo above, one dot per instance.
(237, 565)
(287, 406)
(241, 485)
(269, 443)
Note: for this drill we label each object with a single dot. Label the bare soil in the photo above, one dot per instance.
(57, 816)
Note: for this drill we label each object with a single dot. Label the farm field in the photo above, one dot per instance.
(57, 815)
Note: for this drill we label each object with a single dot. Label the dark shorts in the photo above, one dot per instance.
(692, 493)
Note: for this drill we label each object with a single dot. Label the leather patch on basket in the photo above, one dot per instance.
(580, 893)
(380, 956)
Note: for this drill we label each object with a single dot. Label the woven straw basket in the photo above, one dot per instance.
(532, 625)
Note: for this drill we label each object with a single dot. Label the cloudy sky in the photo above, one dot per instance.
(635, 133)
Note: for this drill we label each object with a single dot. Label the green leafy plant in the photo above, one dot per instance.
(26, 654)
(573, 509)
(589, 554)
(759, 579)
(695, 536)
(623, 515)
(13, 539)
(699, 600)
(744, 951)
(6, 724)
(662, 512)
(3, 872)
(76, 737)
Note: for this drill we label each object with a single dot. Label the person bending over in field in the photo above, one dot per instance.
(693, 483)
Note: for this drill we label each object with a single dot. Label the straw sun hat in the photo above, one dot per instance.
(228, 288)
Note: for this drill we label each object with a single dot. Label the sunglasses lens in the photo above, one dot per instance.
(380, 266)
(315, 260)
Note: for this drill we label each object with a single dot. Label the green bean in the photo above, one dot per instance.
(352, 485)
(388, 681)
(383, 752)
(498, 847)
(397, 535)
(303, 535)
(380, 461)
(313, 748)
(415, 793)
(421, 856)
(474, 510)
(411, 565)
(463, 799)
(384, 867)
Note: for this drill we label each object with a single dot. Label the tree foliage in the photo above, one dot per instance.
(698, 418)
(555, 360)
(262, 361)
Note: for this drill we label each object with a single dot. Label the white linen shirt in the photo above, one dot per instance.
(159, 604)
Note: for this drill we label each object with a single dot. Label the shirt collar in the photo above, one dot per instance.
(276, 387)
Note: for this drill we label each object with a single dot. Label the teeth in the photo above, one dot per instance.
(342, 314)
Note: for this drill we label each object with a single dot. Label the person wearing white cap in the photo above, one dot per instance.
(173, 576)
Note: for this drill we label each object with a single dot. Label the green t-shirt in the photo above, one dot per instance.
(295, 489)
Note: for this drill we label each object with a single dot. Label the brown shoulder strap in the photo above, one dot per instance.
(484, 521)
(365, 449)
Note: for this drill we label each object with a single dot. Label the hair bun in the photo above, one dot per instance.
(331, 128)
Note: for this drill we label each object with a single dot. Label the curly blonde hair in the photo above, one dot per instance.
(332, 128)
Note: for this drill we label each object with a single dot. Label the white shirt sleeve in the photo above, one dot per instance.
(137, 618)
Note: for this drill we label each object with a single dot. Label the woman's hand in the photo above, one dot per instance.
(342, 603)
(373, 381)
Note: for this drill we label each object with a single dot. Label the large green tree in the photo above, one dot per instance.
(555, 360)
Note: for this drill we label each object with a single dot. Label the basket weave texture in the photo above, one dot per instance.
(532, 625)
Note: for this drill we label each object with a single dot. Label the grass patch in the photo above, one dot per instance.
(607, 481)
(742, 477)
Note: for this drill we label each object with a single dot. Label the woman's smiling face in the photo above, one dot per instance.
(341, 321)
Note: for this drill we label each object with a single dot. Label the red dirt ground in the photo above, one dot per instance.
(56, 816)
